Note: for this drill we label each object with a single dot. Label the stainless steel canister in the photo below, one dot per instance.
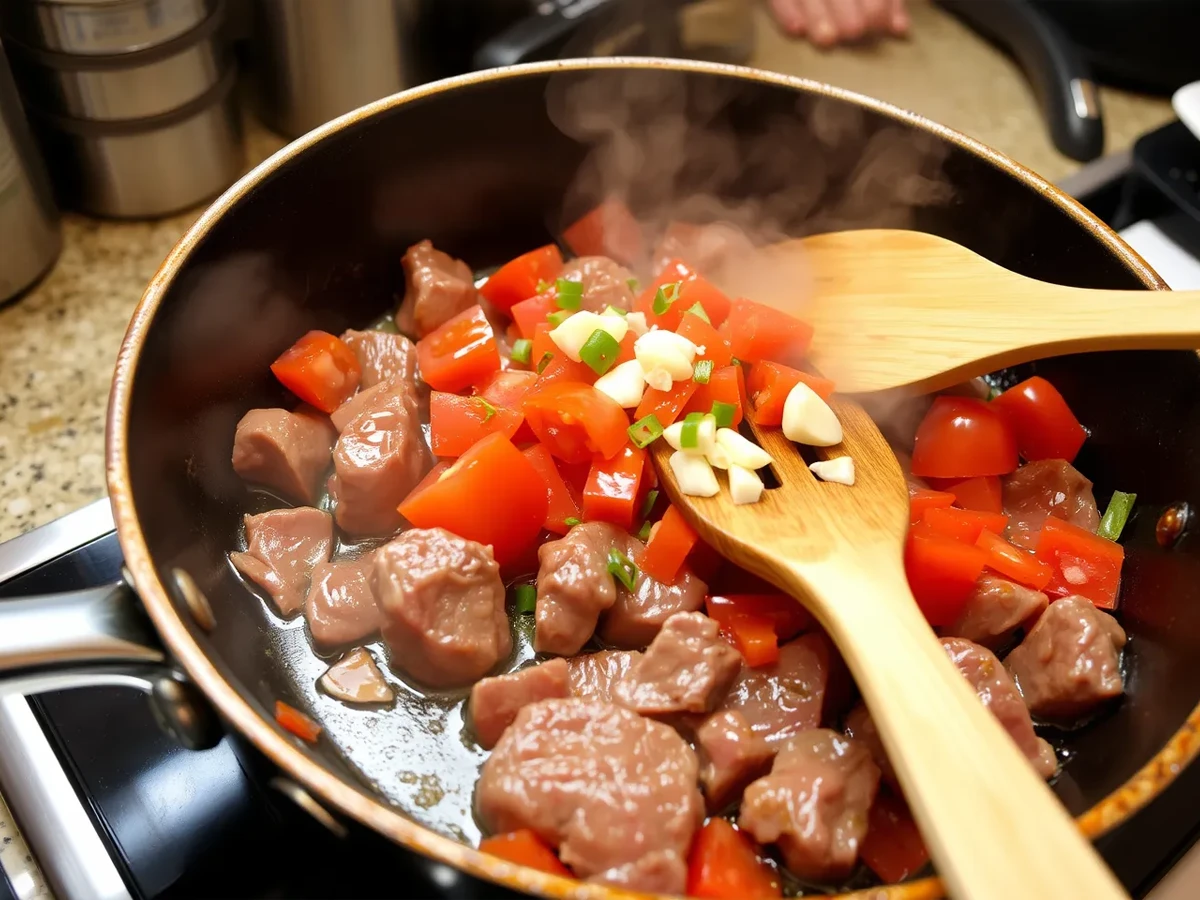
(101, 27)
(30, 238)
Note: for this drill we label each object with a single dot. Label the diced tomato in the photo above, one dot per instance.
(561, 369)
(460, 353)
(608, 230)
(430, 477)
(727, 385)
(492, 495)
(612, 493)
(319, 369)
(941, 573)
(759, 333)
(962, 524)
(1080, 562)
(961, 437)
(561, 499)
(525, 848)
(626, 353)
(921, 500)
(575, 421)
(786, 615)
(702, 334)
(753, 637)
(668, 547)
(507, 388)
(985, 493)
(529, 314)
(666, 405)
(769, 385)
(893, 848)
(1044, 426)
(456, 423)
(715, 303)
(1014, 563)
(542, 344)
(291, 719)
(518, 279)
(724, 865)
(693, 289)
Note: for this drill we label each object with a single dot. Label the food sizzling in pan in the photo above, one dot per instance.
(683, 727)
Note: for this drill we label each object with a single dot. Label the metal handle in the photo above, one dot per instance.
(95, 637)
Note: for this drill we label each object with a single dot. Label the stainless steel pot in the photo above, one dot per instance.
(101, 26)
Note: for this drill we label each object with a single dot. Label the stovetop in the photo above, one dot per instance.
(115, 810)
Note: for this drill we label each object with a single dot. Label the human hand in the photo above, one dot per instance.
(829, 22)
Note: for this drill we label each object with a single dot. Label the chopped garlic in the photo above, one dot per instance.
(717, 457)
(807, 419)
(740, 451)
(695, 476)
(637, 323)
(573, 333)
(839, 471)
(744, 485)
(659, 349)
(706, 437)
(659, 379)
(624, 383)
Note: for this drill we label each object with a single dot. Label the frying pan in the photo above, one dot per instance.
(488, 165)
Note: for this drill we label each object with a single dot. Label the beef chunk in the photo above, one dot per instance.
(1070, 661)
(355, 678)
(861, 727)
(686, 668)
(442, 602)
(814, 804)
(1049, 487)
(282, 547)
(605, 282)
(574, 586)
(593, 676)
(383, 356)
(731, 756)
(496, 701)
(995, 609)
(437, 288)
(999, 694)
(636, 616)
(287, 452)
(615, 792)
(340, 608)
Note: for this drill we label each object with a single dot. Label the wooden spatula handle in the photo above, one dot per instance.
(994, 828)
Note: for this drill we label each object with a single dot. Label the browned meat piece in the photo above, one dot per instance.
(379, 457)
(340, 608)
(703, 247)
(442, 602)
(282, 546)
(788, 696)
(995, 609)
(383, 356)
(814, 803)
(861, 727)
(998, 693)
(731, 756)
(686, 668)
(592, 676)
(437, 288)
(615, 792)
(1049, 487)
(496, 701)
(574, 586)
(356, 679)
(1070, 661)
(287, 452)
(605, 282)
(636, 616)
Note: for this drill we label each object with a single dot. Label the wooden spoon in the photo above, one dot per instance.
(906, 309)
(993, 827)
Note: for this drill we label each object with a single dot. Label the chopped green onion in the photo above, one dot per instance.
(570, 293)
(697, 310)
(689, 437)
(600, 351)
(616, 311)
(557, 318)
(648, 504)
(544, 361)
(736, 362)
(665, 296)
(1116, 515)
(622, 568)
(723, 413)
(543, 286)
(526, 599)
(693, 417)
(488, 409)
(571, 521)
(645, 431)
(644, 531)
(633, 284)
(522, 349)
(702, 371)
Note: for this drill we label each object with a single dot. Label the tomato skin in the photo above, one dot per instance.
(702, 334)
(769, 385)
(962, 524)
(1080, 563)
(694, 288)
(921, 500)
(1014, 563)
(893, 848)
(525, 848)
(759, 333)
(786, 615)
(666, 405)
(727, 385)
(723, 864)
(562, 502)
(668, 547)
(518, 278)
(608, 230)
(613, 488)
(961, 437)
(575, 421)
(460, 353)
(529, 314)
(320, 369)
(985, 493)
(492, 495)
(507, 389)
(941, 574)
(1041, 420)
(457, 423)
